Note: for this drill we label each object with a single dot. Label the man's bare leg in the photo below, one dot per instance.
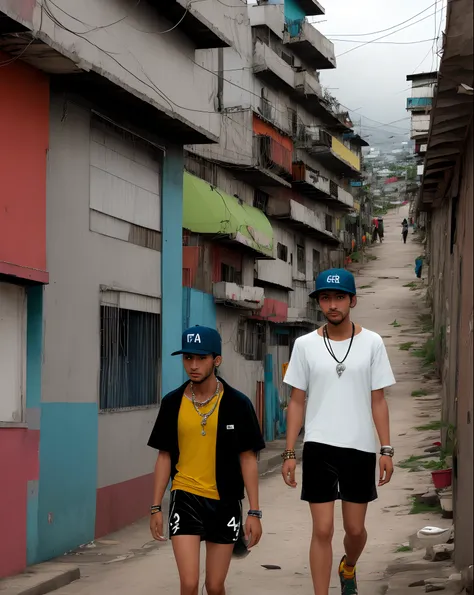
(354, 527)
(186, 552)
(218, 557)
(320, 554)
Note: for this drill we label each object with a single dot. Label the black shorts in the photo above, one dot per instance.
(213, 520)
(331, 473)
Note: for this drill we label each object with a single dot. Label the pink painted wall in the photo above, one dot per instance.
(123, 503)
(19, 463)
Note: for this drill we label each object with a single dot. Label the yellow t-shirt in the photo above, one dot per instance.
(196, 468)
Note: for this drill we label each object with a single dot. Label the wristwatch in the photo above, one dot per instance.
(255, 513)
(387, 451)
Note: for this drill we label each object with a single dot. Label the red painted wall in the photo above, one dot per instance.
(281, 149)
(19, 463)
(24, 117)
(123, 503)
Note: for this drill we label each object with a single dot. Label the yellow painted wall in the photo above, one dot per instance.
(345, 153)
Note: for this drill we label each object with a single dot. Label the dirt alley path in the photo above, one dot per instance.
(287, 525)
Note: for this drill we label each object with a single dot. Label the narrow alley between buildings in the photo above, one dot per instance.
(129, 562)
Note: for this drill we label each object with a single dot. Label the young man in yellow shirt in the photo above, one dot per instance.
(208, 437)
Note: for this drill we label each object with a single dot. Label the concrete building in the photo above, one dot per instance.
(93, 123)
(446, 199)
(278, 187)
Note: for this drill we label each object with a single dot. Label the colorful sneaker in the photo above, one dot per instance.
(348, 581)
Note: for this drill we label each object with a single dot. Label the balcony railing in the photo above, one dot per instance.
(272, 155)
(419, 103)
(311, 137)
(309, 44)
(268, 65)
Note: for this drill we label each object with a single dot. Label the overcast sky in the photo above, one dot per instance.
(373, 78)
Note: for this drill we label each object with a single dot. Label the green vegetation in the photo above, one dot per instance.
(395, 324)
(420, 507)
(371, 257)
(403, 549)
(355, 257)
(432, 426)
(406, 346)
(419, 393)
(427, 352)
(411, 284)
(366, 286)
(425, 322)
(419, 463)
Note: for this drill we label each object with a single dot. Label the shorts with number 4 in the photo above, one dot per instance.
(213, 520)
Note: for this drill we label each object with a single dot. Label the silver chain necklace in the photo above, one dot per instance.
(198, 404)
(340, 364)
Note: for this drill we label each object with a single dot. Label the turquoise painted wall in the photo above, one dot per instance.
(172, 267)
(34, 359)
(293, 11)
(68, 477)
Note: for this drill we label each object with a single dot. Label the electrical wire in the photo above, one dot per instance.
(387, 42)
(383, 36)
(382, 30)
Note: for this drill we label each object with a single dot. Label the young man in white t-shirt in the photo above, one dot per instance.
(339, 372)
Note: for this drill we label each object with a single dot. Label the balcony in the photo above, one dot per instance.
(272, 159)
(420, 125)
(204, 22)
(315, 186)
(312, 8)
(339, 159)
(312, 139)
(308, 85)
(302, 219)
(268, 66)
(419, 103)
(238, 296)
(309, 45)
(275, 272)
(267, 15)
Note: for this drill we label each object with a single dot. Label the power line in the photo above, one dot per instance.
(387, 42)
(382, 30)
(383, 36)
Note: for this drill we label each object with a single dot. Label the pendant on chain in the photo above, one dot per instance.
(340, 369)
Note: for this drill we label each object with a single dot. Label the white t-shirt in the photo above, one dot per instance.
(339, 409)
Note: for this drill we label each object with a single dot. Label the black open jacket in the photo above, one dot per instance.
(238, 431)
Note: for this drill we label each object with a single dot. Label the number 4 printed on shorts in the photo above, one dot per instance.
(235, 526)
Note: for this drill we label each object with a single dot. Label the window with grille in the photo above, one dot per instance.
(300, 259)
(251, 339)
(282, 252)
(260, 200)
(129, 358)
(333, 189)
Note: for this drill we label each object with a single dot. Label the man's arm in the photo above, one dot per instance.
(294, 417)
(253, 526)
(381, 416)
(249, 466)
(382, 424)
(162, 477)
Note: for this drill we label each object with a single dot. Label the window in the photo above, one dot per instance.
(316, 263)
(12, 352)
(260, 200)
(129, 356)
(282, 252)
(300, 258)
(329, 223)
(251, 339)
(293, 121)
(230, 274)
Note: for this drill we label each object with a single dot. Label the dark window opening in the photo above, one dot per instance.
(282, 252)
(300, 259)
(230, 274)
(316, 263)
(251, 339)
(260, 200)
(329, 223)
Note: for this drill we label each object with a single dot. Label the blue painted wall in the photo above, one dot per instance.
(68, 477)
(293, 11)
(34, 359)
(172, 267)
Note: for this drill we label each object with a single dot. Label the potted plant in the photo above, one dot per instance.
(443, 477)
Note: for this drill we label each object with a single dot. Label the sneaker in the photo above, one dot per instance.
(348, 585)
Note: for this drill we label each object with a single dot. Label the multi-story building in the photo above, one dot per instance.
(277, 189)
(446, 201)
(96, 103)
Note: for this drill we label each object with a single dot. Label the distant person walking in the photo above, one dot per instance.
(405, 230)
(380, 228)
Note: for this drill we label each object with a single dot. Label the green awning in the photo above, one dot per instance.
(208, 210)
